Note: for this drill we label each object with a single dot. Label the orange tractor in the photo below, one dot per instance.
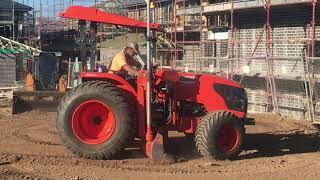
(100, 117)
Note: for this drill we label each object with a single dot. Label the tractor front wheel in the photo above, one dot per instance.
(219, 135)
(95, 121)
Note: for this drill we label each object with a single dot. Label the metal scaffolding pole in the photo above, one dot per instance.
(149, 137)
(312, 69)
(232, 40)
(271, 86)
(232, 29)
(175, 29)
(314, 2)
(268, 6)
(13, 20)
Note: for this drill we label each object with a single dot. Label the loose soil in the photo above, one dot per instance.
(275, 148)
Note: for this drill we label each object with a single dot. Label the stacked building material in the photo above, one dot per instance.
(7, 70)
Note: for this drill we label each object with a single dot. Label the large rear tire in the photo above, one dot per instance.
(219, 135)
(95, 121)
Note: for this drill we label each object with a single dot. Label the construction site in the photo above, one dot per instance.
(59, 117)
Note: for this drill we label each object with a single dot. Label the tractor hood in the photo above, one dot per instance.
(202, 88)
(206, 78)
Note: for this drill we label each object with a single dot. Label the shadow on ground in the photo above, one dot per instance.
(255, 146)
(269, 145)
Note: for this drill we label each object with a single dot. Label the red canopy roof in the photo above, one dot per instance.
(93, 14)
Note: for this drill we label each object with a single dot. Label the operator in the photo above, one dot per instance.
(123, 61)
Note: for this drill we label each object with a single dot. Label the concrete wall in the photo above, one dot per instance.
(285, 41)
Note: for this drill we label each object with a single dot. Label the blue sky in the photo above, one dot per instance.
(51, 7)
(57, 2)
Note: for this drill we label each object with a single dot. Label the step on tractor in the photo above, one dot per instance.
(101, 116)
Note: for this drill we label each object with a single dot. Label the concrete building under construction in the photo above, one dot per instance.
(15, 19)
(270, 46)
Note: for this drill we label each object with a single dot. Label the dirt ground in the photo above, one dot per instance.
(275, 148)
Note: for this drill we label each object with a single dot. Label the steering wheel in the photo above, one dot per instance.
(141, 62)
(143, 65)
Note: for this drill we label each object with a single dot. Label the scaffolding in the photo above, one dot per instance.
(266, 65)
(218, 51)
(45, 15)
(223, 54)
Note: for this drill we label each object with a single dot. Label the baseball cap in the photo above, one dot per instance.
(134, 46)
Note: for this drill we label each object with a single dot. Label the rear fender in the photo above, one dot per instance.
(118, 81)
(114, 79)
(134, 98)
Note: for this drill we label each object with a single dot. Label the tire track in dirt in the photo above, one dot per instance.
(9, 172)
(36, 129)
(144, 166)
(12, 173)
(141, 167)
(45, 156)
(35, 141)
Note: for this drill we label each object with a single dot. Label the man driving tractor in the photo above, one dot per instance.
(123, 61)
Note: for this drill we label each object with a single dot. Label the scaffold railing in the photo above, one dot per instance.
(10, 46)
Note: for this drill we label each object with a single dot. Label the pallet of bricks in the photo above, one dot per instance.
(7, 78)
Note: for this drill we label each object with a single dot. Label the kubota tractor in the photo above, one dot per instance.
(99, 118)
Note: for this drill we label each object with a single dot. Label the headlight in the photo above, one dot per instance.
(235, 98)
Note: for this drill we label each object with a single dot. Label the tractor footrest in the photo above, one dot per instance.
(249, 121)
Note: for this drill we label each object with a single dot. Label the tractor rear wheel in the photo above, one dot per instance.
(219, 135)
(95, 121)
